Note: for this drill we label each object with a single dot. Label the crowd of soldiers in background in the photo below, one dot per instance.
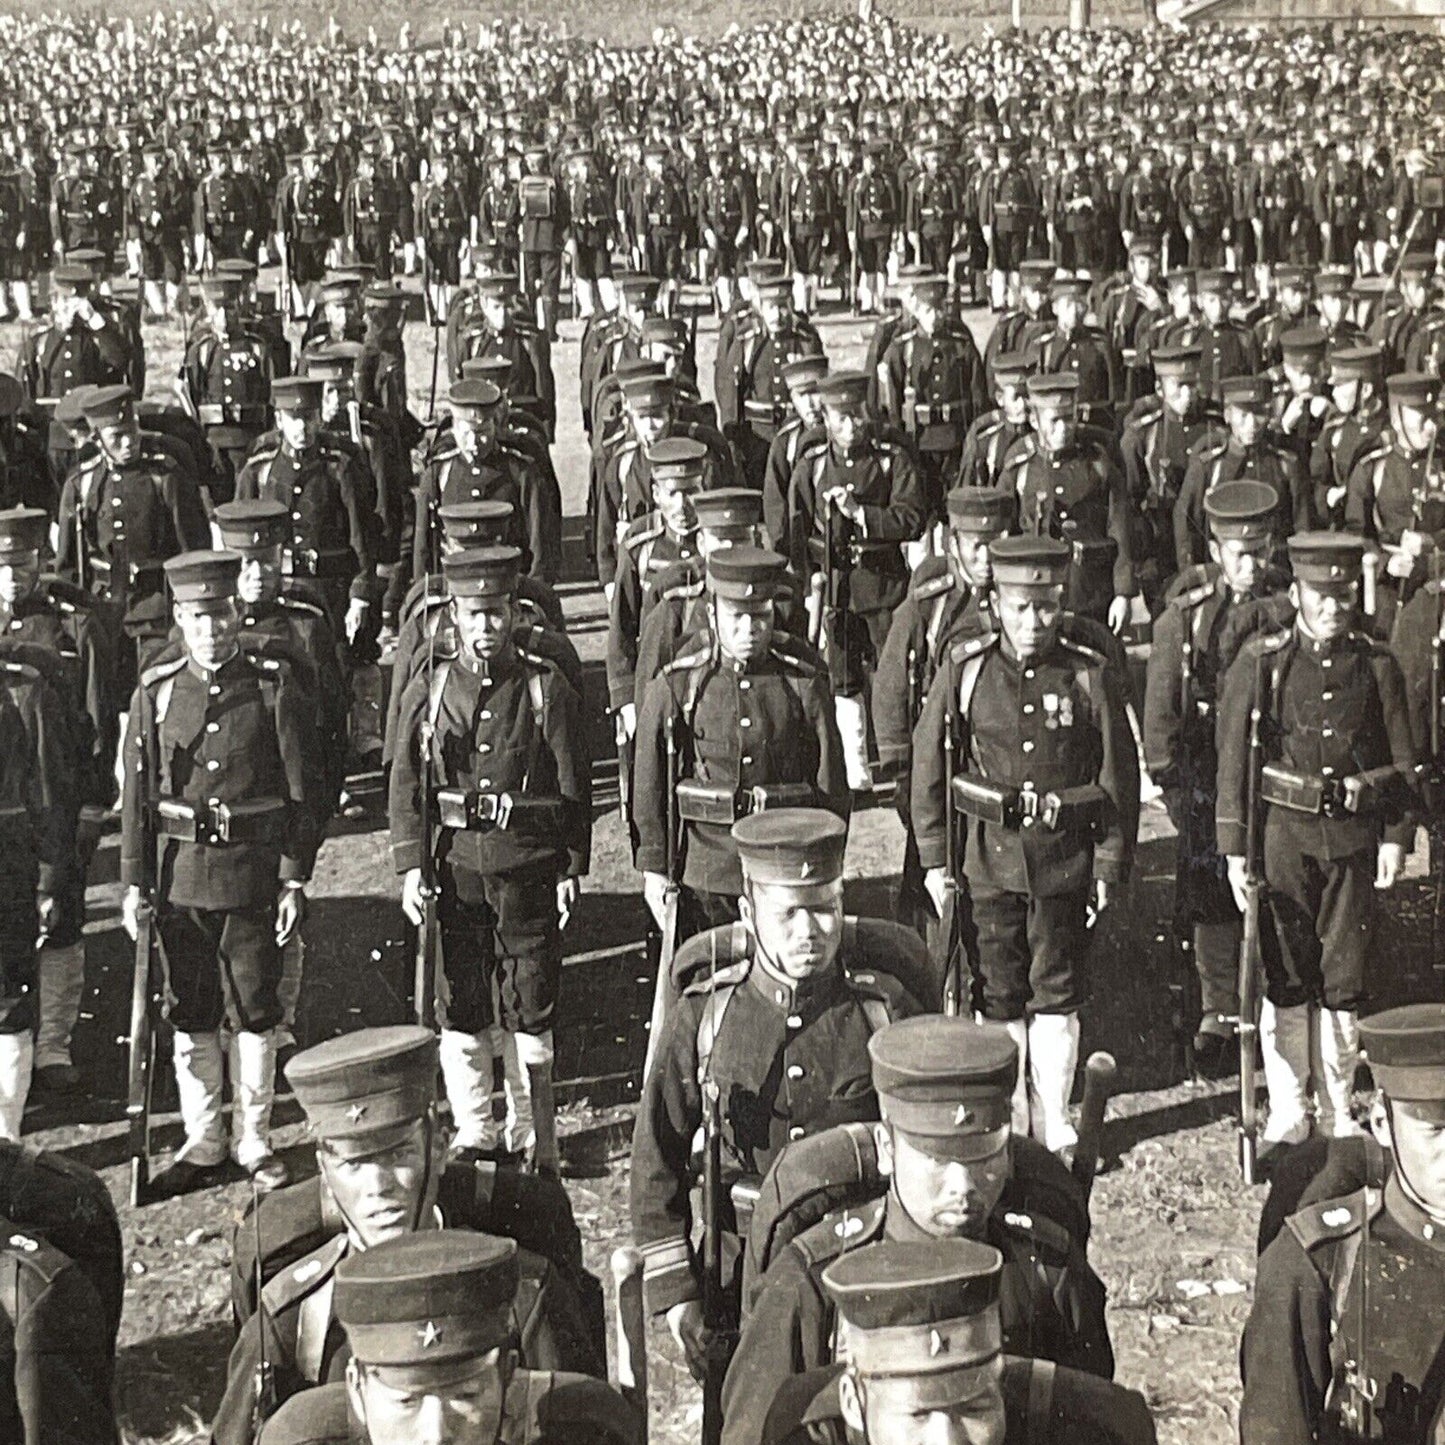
(1207, 410)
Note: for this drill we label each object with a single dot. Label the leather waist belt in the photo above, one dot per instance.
(220, 823)
(712, 803)
(219, 413)
(1317, 796)
(309, 562)
(468, 810)
(1082, 807)
(936, 413)
(765, 411)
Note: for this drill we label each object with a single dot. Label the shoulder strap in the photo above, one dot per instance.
(1041, 1401)
(709, 1026)
(436, 689)
(876, 1012)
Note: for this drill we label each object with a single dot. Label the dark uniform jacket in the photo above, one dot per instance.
(988, 442)
(932, 387)
(1335, 710)
(53, 363)
(769, 727)
(1055, 722)
(1052, 1302)
(132, 520)
(1355, 1279)
(542, 1408)
(329, 495)
(648, 551)
(243, 733)
(788, 1061)
(514, 729)
(1224, 460)
(1043, 1405)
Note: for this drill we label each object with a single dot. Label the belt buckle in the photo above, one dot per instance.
(485, 810)
(1027, 806)
(220, 821)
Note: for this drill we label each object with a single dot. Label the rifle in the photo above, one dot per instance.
(624, 770)
(265, 1403)
(1099, 1075)
(950, 945)
(715, 1325)
(141, 1043)
(425, 986)
(1250, 962)
(1436, 773)
(667, 947)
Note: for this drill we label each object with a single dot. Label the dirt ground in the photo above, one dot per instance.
(1174, 1229)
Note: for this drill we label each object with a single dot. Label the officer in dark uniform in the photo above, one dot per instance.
(61, 1259)
(1338, 789)
(369, 1098)
(75, 346)
(48, 625)
(802, 377)
(435, 1312)
(226, 376)
(1022, 325)
(1205, 209)
(780, 1029)
(1159, 434)
(857, 496)
(371, 207)
(752, 396)
(1293, 287)
(222, 768)
(472, 465)
(932, 386)
(1354, 427)
(993, 434)
(751, 725)
(123, 512)
(1247, 450)
(156, 230)
(1180, 711)
(1032, 713)
(1396, 498)
(924, 1353)
(1344, 1339)
(1227, 347)
(1394, 330)
(509, 771)
(496, 330)
(1071, 487)
(951, 1169)
(872, 218)
(1008, 210)
(226, 207)
(546, 220)
(332, 508)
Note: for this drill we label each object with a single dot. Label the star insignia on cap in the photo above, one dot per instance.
(356, 1113)
(937, 1344)
(962, 1115)
(429, 1335)
(804, 869)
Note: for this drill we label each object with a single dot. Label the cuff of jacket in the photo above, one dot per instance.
(649, 859)
(406, 855)
(932, 853)
(1230, 837)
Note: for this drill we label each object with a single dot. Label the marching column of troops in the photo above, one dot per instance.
(1205, 415)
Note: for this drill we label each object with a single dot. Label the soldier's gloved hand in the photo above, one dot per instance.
(1102, 897)
(627, 722)
(130, 911)
(45, 908)
(569, 890)
(356, 611)
(290, 910)
(1118, 614)
(1238, 877)
(935, 880)
(1388, 865)
(1334, 496)
(412, 895)
(688, 1330)
(1400, 564)
(654, 890)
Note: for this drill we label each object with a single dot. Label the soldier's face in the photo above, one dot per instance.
(1241, 560)
(1301, 379)
(744, 629)
(120, 439)
(969, 551)
(1415, 292)
(475, 433)
(1181, 299)
(947, 1198)
(18, 578)
(209, 629)
(1244, 423)
(220, 320)
(1211, 306)
(260, 579)
(776, 309)
(901, 1411)
(1068, 311)
(1029, 617)
(1178, 393)
(1032, 297)
(1331, 308)
(494, 311)
(1415, 426)
(1346, 395)
(1053, 426)
(298, 428)
(484, 625)
(651, 424)
(1324, 612)
(1416, 1134)
(809, 406)
(798, 927)
(459, 1403)
(1013, 401)
(379, 1185)
(673, 498)
(846, 427)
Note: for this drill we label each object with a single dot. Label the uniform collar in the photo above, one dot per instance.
(810, 996)
(210, 674)
(1409, 1216)
(1315, 647)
